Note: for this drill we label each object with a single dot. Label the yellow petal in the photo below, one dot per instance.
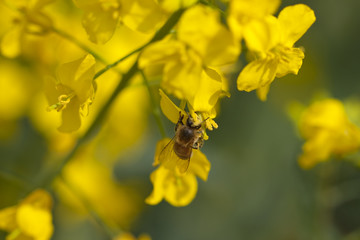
(262, 92)
(170, 110)
(180, 191)
(200, 28)
(71, 116)
(142, 15)
(35, 222)
(100, 21)
(257, 74)
(262, 35)
(295, 21)
(209, 90)
(290, 61)
(158, 179)
(161, 52)
(243, 12)
(199, 165)
(181, 76)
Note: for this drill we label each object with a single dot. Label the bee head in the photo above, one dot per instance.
(191, 123)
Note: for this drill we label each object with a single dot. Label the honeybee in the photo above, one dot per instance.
(178, 151)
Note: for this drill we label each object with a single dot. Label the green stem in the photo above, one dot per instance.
(79, 44)
(109, 66)
(154, 107)
(96, 125)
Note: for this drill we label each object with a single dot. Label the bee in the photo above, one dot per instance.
(178, 151)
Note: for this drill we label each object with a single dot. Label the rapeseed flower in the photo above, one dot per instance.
(189, 58)
(327, 131)
(30, 219)
(175, 179)
(176, 188)
(272, 42)
(72, 91)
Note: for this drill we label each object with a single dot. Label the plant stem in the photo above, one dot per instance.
(154, 107)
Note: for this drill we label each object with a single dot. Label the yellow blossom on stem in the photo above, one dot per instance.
(176, 188)
(327, 131)
(189, 58)
(72, 91)
(175, 179)
(30, 219)
(272, 42)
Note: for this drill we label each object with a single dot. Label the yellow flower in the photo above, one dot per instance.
(102, 17)
(177, 189)
(327, 131)
(189, 57)
(272, 40)
(175, 179)
(30, 20)
(72, 91)
(30, 219)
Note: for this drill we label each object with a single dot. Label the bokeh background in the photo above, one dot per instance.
(255, 188)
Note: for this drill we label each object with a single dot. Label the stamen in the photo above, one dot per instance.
(63, 101)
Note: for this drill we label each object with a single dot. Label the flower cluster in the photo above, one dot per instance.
(99, 78)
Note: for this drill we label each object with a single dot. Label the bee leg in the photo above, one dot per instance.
(198, 144)
(180, 121)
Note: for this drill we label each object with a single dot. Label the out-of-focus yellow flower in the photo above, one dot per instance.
(89, 180)
(188, 61)
(102, 17)
(327, 131)
(72, 91)
(129, 236)
(272, 40)
(31, 219)
(177, 189)
(31, 19)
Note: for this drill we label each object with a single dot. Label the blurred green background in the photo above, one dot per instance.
(255, 188)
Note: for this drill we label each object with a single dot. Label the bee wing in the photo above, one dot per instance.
(183, 164)
(170, 160)
(167, 156)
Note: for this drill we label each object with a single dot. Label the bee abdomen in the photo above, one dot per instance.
(183, 152)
